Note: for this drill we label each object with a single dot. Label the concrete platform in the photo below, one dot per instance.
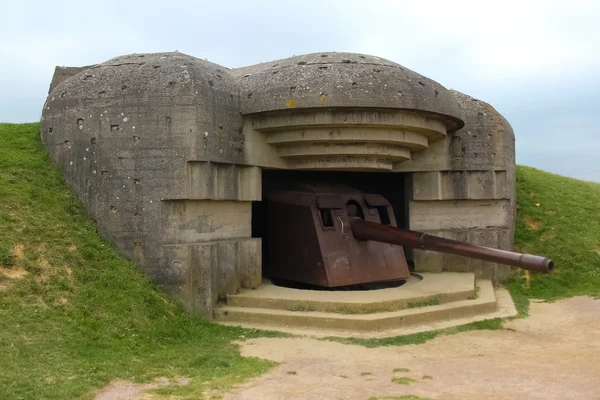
(426, 302)
(421, 288)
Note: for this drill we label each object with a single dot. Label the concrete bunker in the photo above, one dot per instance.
(173, 157)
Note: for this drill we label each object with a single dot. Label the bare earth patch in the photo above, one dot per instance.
(532, 223)
(47, 270)
(553, 354)
(549, 235)
(7, 274)
(43, 263)
(17, 251)
(126, 390)
(13, 273)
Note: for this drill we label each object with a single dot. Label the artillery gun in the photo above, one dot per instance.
(334, 236)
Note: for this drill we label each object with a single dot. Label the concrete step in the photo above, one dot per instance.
(484, 303)
(419, 290)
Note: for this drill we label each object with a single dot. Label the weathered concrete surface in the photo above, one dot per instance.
(380, 298)
(464, 189)
(552, 354)
(341, 80)
(153, 146)
(341, 139)
(63, 73)
(166, 151)
(376, 322)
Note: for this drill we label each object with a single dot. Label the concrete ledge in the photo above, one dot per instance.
(411, 140)
(357, 139)
(446, 287)
(382, 150)
(222, 181)
(505, 309)
(485, 303)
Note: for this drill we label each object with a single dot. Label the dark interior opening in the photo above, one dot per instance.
(359, 287)
(355, 210)
(395, 187)
(384, 216)
(326, 217)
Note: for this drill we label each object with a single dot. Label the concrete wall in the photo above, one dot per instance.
(464, 189)
(166, 150)
(152, 145)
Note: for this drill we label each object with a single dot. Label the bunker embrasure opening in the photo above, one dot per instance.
(304, 223)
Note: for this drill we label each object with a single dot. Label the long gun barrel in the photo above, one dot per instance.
(366, 230)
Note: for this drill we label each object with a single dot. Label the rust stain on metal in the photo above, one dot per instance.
(333, 236)
(310, 239)
(366, 230)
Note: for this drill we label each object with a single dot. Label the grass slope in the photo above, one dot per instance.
(557, 217)
(75, 315)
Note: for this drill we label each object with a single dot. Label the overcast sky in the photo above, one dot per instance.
(538, 63)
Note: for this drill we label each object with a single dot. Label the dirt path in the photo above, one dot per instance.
(553, 354)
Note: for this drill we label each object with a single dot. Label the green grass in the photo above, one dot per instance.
(559, 218)
(403, 380)
(421, 337)
(432, 301)
(301, 307)
(7, 259)
(82, 315)
(401, 370)
(346, 310)
(74, 315)
(475, 294)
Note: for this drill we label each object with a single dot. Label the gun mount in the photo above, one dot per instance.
(334, 236)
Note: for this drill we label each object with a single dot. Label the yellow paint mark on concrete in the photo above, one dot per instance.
(492, 108)
(322, 99)
(291, 103)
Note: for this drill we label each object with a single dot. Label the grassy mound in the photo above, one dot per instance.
(557, 217)
(73, 314)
